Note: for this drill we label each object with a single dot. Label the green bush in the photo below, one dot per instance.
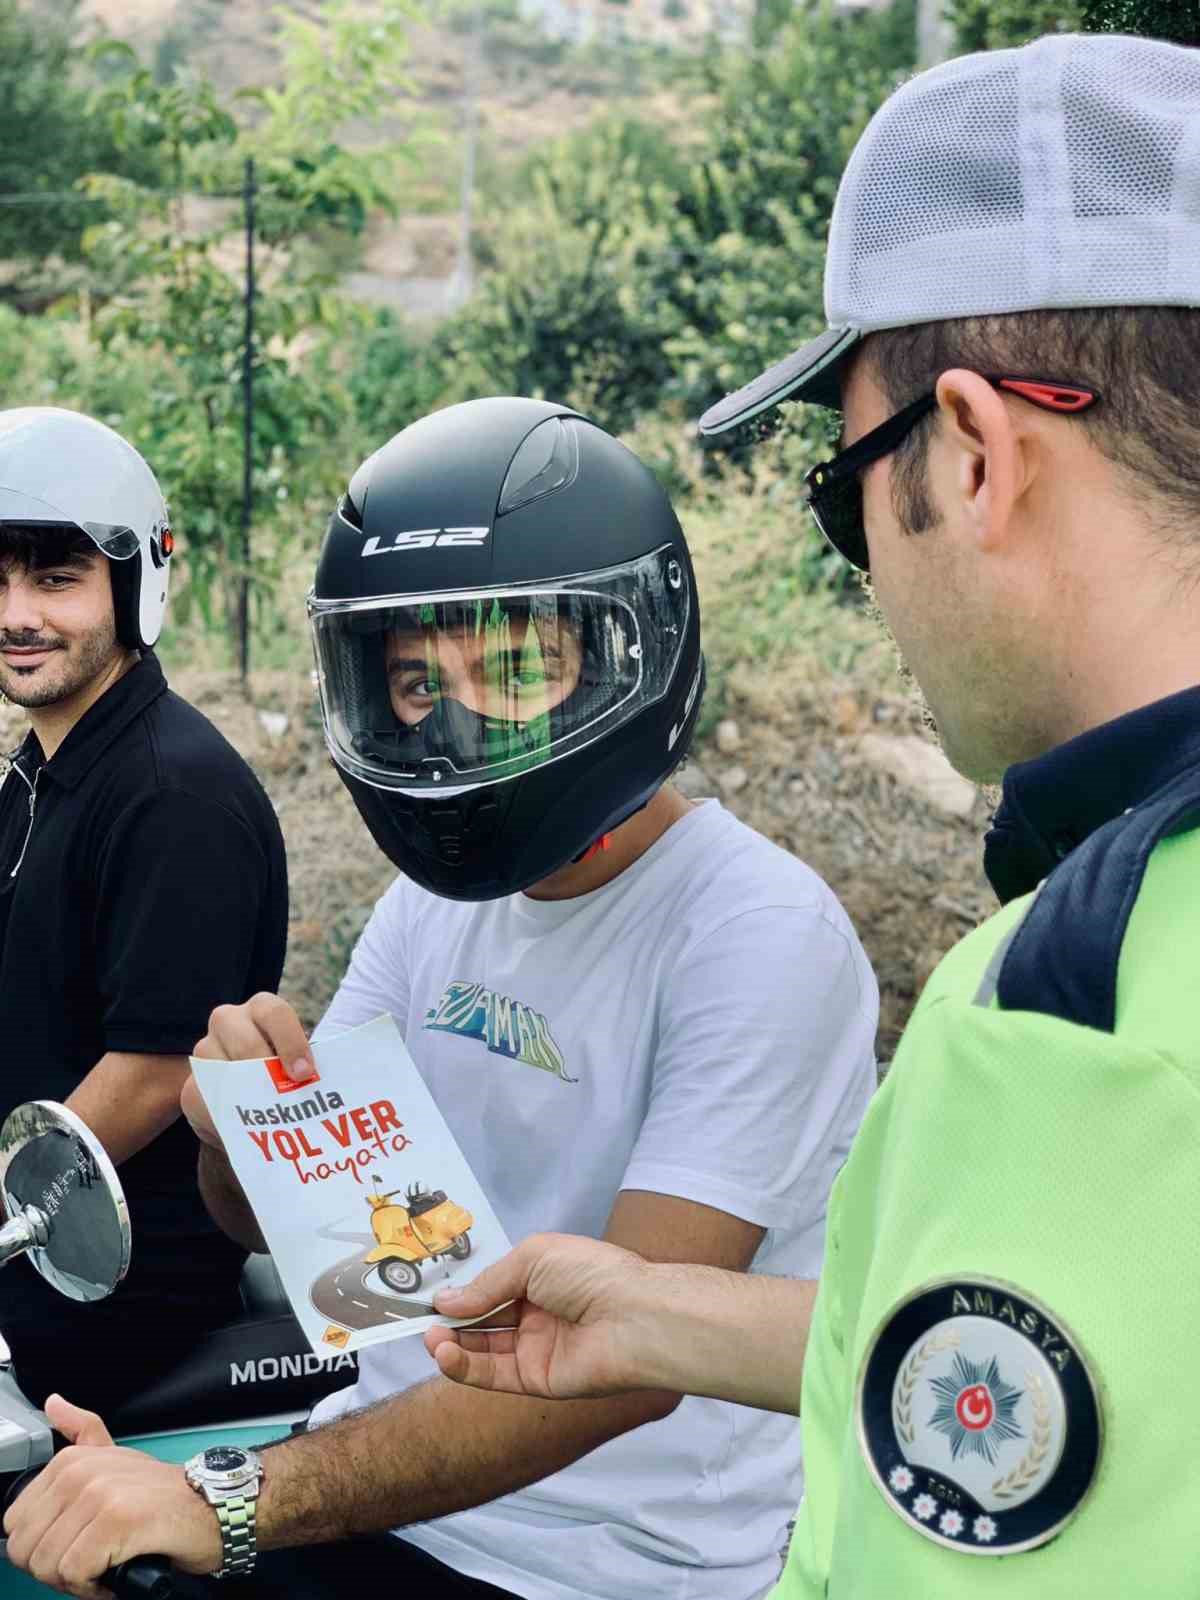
(390, 377)
(999, 24)
(568, 310)
(1177, 20)
(995, 24)
(745, 260)
(172, 325)
(626, 275)
(629, 277)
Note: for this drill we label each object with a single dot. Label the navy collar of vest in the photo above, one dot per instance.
(1053, 803)
(101, 723)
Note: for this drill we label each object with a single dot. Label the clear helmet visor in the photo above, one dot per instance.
(115, 540)
(459, 689)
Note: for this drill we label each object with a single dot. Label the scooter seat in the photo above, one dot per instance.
(254, 1367)
(262, 1290)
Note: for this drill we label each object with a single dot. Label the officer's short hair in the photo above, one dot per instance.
(1143, 360)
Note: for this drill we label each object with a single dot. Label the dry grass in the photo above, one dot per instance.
(909, 877)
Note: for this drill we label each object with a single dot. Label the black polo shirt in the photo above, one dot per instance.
(146, 885)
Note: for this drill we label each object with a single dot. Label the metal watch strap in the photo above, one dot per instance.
(239, 1539)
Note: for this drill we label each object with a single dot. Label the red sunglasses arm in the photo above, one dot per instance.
(1049, 396)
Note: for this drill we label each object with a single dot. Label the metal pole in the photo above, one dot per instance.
(462, 282)
(935, 36)
(243, 606)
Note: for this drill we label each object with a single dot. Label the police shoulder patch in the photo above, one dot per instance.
(978, 1417)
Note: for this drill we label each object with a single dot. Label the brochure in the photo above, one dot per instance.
(367, 1203)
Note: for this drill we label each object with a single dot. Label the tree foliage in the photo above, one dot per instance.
(49, 138)
(178, 290)
(997, 24)
(345, 66)
(632, 273)
(1176, 20)
(565, 311)
(626, 275)
(745, 260)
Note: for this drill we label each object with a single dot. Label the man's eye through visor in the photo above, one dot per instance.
(452, 689)
(835, 487)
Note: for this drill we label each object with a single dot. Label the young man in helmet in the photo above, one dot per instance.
(142, 877)
(666, 1042)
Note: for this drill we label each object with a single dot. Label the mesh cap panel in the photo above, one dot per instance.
(1066, 174)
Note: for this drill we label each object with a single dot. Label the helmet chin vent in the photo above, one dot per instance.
(445, 824)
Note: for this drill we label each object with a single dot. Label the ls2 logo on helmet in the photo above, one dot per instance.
(425, 539)
(977, 1417)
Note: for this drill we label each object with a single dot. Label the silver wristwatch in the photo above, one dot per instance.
(229, 1478)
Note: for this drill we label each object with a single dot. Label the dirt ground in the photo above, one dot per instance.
(909, 877)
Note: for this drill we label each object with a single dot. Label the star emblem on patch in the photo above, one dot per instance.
(976, 1408)
(978, 1417)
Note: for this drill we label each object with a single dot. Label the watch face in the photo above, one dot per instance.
(224, 1458)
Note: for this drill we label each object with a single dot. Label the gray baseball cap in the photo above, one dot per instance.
(1064, 174)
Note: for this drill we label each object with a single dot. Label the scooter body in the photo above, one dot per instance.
(427, 1227)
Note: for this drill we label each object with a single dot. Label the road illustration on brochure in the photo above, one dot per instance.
(344, 1294)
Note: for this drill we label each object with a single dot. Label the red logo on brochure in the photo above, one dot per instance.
(283, 1080)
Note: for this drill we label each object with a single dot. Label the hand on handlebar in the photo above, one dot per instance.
(97, 1506)
(264, 1026)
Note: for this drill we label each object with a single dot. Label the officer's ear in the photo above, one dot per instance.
(985, 456)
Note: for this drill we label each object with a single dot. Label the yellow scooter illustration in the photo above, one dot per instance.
(425, 1228)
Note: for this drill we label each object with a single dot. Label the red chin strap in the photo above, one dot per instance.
(602, 843)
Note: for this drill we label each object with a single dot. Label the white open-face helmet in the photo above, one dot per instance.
(62, 469)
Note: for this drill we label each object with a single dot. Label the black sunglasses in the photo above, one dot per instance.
(835, 487)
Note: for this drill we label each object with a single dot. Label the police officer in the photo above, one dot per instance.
(1002, 1356)
(142, 878)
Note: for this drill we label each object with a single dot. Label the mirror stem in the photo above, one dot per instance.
(28, 1231)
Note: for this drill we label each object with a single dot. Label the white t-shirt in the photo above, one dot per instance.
(701, 1026)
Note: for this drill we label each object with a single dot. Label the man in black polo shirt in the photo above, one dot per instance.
(142, 881)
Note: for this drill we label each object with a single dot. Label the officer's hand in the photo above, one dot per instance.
(576, 1304)
(264, 1026)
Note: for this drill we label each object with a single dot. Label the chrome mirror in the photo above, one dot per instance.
(63, 1202)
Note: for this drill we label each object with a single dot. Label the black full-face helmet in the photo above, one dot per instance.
(507, 638)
